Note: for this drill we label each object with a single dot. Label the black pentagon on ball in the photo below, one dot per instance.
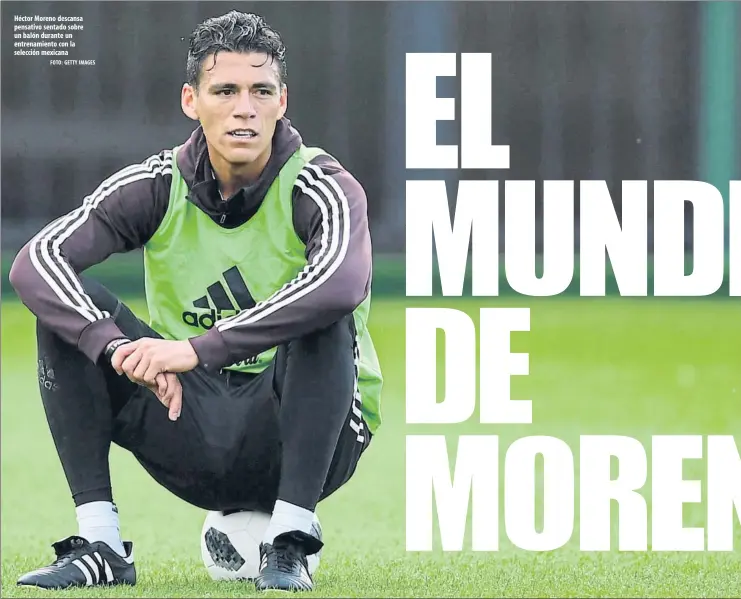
(222, 551)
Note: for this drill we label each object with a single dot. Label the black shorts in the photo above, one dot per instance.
(224, 452)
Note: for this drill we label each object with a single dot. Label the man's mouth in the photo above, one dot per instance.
(243, 133)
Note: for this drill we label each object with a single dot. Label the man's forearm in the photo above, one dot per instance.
(260, 331)
(61, 306)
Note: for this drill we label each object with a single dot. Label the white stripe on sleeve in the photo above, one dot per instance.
(45, 249)
(335, 209)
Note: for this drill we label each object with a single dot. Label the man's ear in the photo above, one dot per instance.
(189, 101)
(283, 101)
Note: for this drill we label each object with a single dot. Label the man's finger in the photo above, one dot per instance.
(152, 372)
(130, 363)
(176, 403)
(141, 369)
(161, 397)
(122, 352)
(161, 385)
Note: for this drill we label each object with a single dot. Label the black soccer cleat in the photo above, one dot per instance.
(283, 565)
(83, 564)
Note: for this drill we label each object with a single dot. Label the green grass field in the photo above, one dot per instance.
(610, 366)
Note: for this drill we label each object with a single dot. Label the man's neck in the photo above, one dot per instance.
(231, 178)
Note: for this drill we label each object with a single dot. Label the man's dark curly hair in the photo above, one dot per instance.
(234, 32)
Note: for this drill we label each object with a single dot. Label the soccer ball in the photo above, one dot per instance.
(230, 544)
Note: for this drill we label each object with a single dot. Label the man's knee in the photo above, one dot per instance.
(337, 336)
(98, 294)
(327, 350)
(49, 342)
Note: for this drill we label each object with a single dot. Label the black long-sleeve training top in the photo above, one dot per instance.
(126, 209)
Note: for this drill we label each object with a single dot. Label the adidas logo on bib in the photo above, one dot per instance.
(217, 303)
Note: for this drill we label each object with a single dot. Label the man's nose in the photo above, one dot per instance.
(245, 106)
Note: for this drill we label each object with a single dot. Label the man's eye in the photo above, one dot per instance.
(264, 92)
(224, 92)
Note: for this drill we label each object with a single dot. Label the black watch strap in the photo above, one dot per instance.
(113, 346)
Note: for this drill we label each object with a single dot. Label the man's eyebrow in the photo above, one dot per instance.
(264, 85)
(233, 86)
(220, 86)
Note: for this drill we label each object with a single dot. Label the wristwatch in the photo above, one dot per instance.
(113, 346)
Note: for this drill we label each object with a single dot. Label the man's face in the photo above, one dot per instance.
(238, 102)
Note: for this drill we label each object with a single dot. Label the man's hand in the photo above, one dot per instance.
(142, 360)
(153, 363)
